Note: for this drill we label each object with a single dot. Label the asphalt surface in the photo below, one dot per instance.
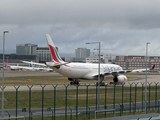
(82, 110)
(17, 74)
(140, 79)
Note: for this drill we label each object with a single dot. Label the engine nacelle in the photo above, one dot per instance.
(120, 79)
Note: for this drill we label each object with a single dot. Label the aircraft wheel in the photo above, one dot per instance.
(71, 83)
(102, 84)
(78, 83)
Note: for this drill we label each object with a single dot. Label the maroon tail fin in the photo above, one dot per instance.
(153, 67)
(6, 64)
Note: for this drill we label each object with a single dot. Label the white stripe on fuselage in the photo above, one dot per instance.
(85, 70)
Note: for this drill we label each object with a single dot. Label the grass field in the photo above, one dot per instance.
(36, 96)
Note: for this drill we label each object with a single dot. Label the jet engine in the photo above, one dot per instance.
(120, 79)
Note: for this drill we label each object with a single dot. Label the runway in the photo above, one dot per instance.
(20, 74)
(140, 79)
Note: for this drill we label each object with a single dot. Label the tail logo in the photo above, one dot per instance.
(55, 55)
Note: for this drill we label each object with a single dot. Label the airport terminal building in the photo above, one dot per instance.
(26, 49)
(132, 62)
(43, 54)
(14, 59)
(82, 53)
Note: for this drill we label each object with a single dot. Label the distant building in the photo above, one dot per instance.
(82, 53)
(14, 58)
(137, 62)
(26, 49)
(43, 54)
(104, 58)
(68, 59)
(92, 60)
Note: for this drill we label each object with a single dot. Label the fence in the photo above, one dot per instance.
(54, 101)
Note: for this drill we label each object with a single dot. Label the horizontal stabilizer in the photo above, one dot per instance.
(56, 65)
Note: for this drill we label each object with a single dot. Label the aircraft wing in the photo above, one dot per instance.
(27, 68)
(111, 73)
(125, 71)
(121, 72)
(144, 70)
(34, 63)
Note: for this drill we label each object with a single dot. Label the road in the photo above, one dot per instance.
(81, 110)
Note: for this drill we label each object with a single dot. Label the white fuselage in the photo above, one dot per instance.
(86, 70)
(23, 67)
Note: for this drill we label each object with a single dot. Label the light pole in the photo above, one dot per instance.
(3, 74)
(98, 71)
(7, 58)
(146, 78)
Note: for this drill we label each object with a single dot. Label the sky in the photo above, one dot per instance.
(123, 27)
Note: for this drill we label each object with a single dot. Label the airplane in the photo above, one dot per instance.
(20, 67)
(12, 67)
(144, 70)
(83, 71)
(44, 67)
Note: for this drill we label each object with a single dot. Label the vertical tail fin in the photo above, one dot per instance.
(153, 67)
(6, 64)
(54, 53)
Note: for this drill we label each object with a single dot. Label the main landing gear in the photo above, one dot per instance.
(74, 83)
(113, 83)
(101, 79)
(101, 84)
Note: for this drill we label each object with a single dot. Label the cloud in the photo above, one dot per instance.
(122, 25)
